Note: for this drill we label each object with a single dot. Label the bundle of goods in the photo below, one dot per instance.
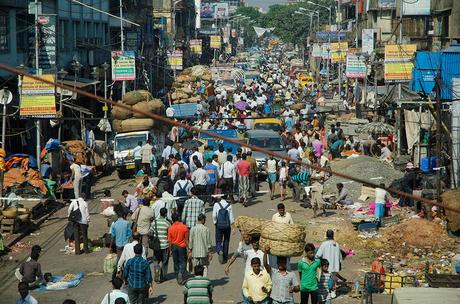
(297, 106)
(126, 120)
(21, 172)
(77, 148)
(250, 225)
(283, 239)
(450, 199)
(101, 155)
(184, 86)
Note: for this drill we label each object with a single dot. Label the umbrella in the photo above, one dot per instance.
(241, 105)
(376, 128)
(192, 144)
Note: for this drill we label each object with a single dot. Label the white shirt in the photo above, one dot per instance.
(113, 295)
(200, 177)
(227, 170)
(330, 250)
(137, 152)
(216, 208)
(27, 300)
(271, 166)
(249, 255)
(76, 171)
(185, 184)
(128, 253)
(285, 219)
(83, 209)
(169, 204)
(199, 155)
(380, 195)
(168, 150)
(175, 169)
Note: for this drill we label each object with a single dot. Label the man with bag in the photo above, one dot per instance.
(160, 245)
(200, 244)
(142, 218)
(222, 215)
(79, 215)
(182, 191)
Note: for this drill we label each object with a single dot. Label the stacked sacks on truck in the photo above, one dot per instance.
(184, 86)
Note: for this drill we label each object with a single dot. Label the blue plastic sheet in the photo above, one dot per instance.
(64, 284)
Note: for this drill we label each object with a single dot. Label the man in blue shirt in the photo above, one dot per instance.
(138, 277)
(121, 232)
(213, 173)
(289, 123)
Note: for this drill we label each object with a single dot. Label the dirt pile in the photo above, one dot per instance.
(362, 167)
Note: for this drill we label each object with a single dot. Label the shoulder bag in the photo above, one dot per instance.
(154, 240)
(75, 215)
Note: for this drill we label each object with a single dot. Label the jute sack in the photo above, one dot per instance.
(280, 248)
(451, 199)
(116, 125)
(133, 97)
(137, 124)
(283, 232)
(250, 225)
(121, 113)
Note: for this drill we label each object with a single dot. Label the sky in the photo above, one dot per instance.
(264, 4)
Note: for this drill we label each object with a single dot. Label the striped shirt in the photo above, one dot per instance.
(137, 272)
(198, 290)
(200, 241)
(162, 226)
(301, 177)
(281, 283)
(192, 208)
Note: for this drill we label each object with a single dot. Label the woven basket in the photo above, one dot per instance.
(283, 232)
(250, 225)
(280, 248)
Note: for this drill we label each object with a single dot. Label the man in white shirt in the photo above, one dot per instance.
(199, 155)
(128, 252)
(330, 250)
(77, 179)
(282, 216)
(255, 252)
(168, 150)
(146, 153)
(228, 173)
(138, 156)
(200, 179)
(115, 293)
(80, 226)
(177, 163)
(223, 230)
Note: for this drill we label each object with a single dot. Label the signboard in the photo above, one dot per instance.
(325, 51)
(316, 50)
(220, 10)
(175, 60)
(37, 98)
(131, 41)
(418, 8)
(387, 4)
(196, 46)
(215, 42)
(47, 43)
(214, 11)
(356, 67)
(207, 11)
(339, 51)
(398, 62)
(368, 41)
(333, 36)
(123, 65)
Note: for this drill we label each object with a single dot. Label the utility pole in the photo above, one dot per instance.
(122, 42)
(37, 69)
(399, 85)
(438, 138)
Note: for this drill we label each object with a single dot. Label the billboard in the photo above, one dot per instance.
(175, 60)
(123, 65)
(398, 62)
(220, 10)
(196, 46)
(339, 51)
(214, 10)
(37, 98)
(207, 11)
(333, 36)
(215, 42)
(356, 67)
(368, 41)
(416, 8)
(387, 4)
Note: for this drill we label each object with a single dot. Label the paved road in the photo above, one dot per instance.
(96, 284)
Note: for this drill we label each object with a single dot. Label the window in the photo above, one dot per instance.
(4, 34)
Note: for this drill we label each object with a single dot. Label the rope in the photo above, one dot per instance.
(232, 140)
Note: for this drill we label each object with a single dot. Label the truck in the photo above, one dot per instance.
(125, 142)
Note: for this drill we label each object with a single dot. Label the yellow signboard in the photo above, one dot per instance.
(398, 71)
(336, 46)
(398, 52)
(196, 46)
(38, 106)
(339, 51)
(31, 86)
(215, 42)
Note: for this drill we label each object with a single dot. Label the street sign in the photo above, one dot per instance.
(123, 65)
(5, 96)
(215, 42)
(37, 98)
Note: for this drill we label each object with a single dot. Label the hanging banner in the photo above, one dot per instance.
(339, 51)
(196, 46)
(387, 3)
(215, 42)
(220, 10)
(123, 65)
(416, 8)
(316, 50)
(356, 67)
(37, 98)
(325, 51)
(47, 43)
(175, 60)
(330, 36)
(368, 41)
(398, 62)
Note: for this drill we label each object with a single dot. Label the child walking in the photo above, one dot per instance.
(283, 173)
(326, 285)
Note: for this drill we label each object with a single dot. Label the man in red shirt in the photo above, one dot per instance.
(243, 168)
(178, 238)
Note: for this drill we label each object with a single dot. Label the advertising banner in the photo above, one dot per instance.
(196, 46)
(333, 36)
(316, 50)
(215, 42)
(214, 11)
(339, 51)
(175, 60)
(47, 43)
(356, 67)
(368, 41)
(220, 10)
(123, 65)
(416, 8)
(387, 4)
(207, 11)
(37, 98)
(325, 51)
(398, 62)
(396, 52)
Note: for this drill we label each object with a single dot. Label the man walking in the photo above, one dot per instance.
(252, 174)
(80, 226)
(228, 174)
(142, 218)
(138, 156)
(128, 253)
(146, 155)
(115, 293)
(178, 238)
(244, 170)
(198, 289)
(222, 215)
(159, 229)
(330, 250)
(192, 208)
(200, 244)
(257, 284)
(200, 179)
(121, 232)
(138, 277)
(182, 191)
(213, 173)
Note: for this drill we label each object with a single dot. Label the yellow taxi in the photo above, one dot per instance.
(272, 124)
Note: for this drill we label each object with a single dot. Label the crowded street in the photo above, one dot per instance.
(256, 162)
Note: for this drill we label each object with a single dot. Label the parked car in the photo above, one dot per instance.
(266, 139)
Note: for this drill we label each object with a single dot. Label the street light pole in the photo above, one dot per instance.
(122, 43)
(37, 72)
(105, 66)
(61, 75)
